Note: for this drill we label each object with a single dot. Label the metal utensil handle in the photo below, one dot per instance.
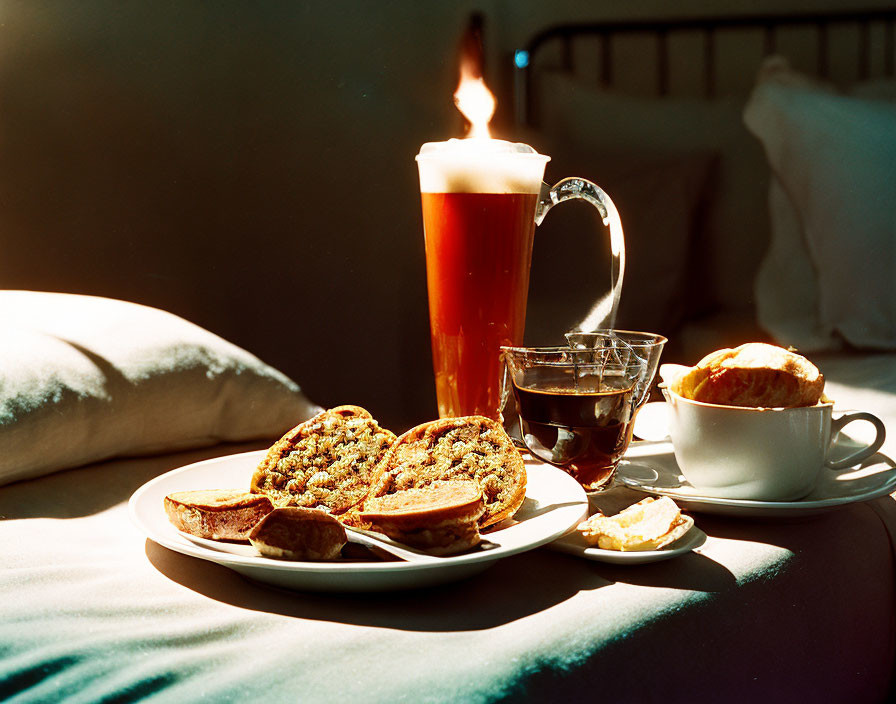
(372, 539)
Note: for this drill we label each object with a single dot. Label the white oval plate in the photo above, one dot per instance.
(554, 503)
(651, 467)
(574, 544)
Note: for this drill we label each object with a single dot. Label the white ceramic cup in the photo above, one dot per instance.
(763, 454)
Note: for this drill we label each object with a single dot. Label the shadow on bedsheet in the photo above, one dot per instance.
(513, 588)
(523, 585)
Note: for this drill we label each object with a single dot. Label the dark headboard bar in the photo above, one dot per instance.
(709, 26)
(662, 40)
(709, 71)
(824, 69)
(888, 48)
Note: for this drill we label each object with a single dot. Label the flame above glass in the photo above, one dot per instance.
(476, 103)
(478, 163)
(472, 97)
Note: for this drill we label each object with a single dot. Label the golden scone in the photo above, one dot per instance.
(472, 448)
(441, 518)
(650, 524)
(326, 462)
(293, 533)
(216, 514)
(755, 375)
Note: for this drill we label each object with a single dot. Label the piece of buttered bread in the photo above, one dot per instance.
(473, 447)
(650, 524)
(327, 462)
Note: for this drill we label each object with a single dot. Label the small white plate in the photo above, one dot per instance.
(554, 503)
(574, 544)
(650, 467)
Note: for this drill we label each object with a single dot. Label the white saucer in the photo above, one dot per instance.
(574, 544)
(554, 503)
(650, 467)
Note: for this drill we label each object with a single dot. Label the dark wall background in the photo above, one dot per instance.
(249, 166)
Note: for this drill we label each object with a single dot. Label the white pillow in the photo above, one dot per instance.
(830, 274)
(84, 378)
(787, 283)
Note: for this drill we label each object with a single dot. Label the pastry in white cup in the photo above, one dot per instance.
(756, 452)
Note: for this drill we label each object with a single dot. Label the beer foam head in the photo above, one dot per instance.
(480, 166)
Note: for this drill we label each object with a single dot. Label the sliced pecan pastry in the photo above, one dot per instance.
(441, 518)
(327, 462)
(472, 448)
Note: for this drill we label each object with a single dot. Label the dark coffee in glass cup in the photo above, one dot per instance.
(577, 407)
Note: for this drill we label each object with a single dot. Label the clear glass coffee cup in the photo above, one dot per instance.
(575, 407)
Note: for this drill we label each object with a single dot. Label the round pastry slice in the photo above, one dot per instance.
(326, 462)
(469, 448)
(298, 534)
(441, 518)
(216, 514)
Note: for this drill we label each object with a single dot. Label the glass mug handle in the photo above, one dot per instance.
(603, 314)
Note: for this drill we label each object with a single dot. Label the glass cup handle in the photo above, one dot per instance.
(603, 314)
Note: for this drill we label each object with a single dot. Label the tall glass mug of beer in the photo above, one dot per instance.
(482, 199)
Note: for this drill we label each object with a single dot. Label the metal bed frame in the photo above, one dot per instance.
(526, 59)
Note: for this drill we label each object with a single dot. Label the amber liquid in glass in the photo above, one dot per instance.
(581, 424)
(478, 253)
